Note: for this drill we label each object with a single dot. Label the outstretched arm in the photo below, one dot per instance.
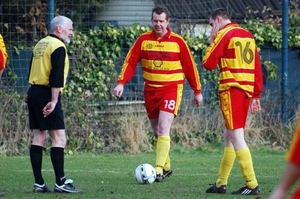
(289, 177)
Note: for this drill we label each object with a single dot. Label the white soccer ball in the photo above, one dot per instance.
(145, 174)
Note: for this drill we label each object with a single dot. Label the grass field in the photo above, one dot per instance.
(110, 175)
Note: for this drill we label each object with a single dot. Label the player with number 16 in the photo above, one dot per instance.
(233, 49)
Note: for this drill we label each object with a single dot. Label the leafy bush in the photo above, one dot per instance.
(91, 123)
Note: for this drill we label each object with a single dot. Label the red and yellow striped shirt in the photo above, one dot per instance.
(235, 52)
(165, 61)
(3, 54)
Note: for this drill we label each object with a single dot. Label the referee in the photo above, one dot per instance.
(47, 76)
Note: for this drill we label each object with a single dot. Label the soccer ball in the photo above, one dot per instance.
(145, 174)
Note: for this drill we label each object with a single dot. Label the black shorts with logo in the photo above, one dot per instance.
(37, 98)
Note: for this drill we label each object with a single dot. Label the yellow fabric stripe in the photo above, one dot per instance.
(162, 46)
(226, 108)
(238, 76)
(226, 86)
(163, 77)
(124, 67)
(168, 65)
(237, 64)
(179, 97)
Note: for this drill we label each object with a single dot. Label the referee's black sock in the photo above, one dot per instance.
(57, 158)
(36, 157)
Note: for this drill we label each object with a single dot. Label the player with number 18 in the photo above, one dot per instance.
(166, 62)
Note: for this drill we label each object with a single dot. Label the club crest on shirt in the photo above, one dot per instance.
(149, 46)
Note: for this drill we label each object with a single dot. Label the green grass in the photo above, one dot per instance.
(110, 175)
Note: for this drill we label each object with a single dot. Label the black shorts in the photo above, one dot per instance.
(37, 98)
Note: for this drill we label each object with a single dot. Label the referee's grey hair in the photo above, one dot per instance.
(58, 21)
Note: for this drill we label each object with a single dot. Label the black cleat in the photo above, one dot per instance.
(215, 189)
(159, 178)
(167, 173)
(41, 188)
(67, 187)
(245, 190)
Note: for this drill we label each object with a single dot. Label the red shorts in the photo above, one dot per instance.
(162, 99)
(234, 105)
